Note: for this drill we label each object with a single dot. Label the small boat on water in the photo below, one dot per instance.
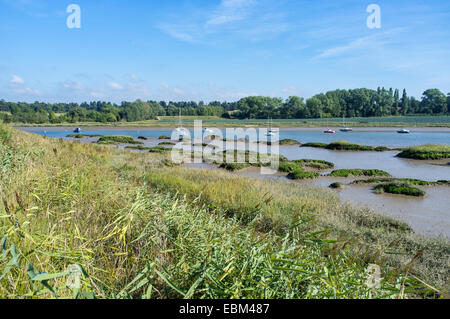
(328, 130)
(403, 131)
(270, 131)
(180, 129)
(345, 129)
(77, 130)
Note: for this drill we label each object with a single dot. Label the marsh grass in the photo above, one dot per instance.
(134, 229)
(153, 149)
(315, 145)
(290, 204)
(288, 141)
(399, 189)
(117, 139)
(315, 164)
(346, 146)
(358, 172)
(301, 174)
(401, 180)
(166, 143)
(82, 135)
(426, 152)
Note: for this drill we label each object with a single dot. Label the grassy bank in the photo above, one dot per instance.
(117, 139)
(358, 172)
(346, 146)
(399, 189)
(79, 136)
(426, 152)
(410, 181)
(135, 229)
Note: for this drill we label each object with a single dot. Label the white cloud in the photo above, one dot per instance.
(26, 91)
(97, 95)
(115, 86)
(179, 35)
(249, 19)
(71, 85)
(371, 42)
(15, 79)
(231, 10)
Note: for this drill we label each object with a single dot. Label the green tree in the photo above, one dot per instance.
(433, 101)
(404, 104)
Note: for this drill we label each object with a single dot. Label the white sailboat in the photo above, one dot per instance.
(345, 129)
(328, 130)
(180, 129)
(270, 131)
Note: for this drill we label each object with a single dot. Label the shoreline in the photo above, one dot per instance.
(380, 129)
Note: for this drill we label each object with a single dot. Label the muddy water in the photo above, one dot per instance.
(387, 161)
(428, 216)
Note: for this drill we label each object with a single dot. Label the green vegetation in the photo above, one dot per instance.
(301, 174)
(288, 141)
(234, 166)
(358, 103)
(316, 145)
(117, 139)
(315, 164)
(155, 149)
(135, 228)
(401, 180)
(349, 103)
(158, 149)
(358, 172)
(142, 138)
(82, 135)
(337, 185)
(399, 188)
(426, 152)
(289, 167)
(163, 137)
(166, 143)
(346, 146)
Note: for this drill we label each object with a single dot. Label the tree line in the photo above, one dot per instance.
(349, 103)
(105, 112)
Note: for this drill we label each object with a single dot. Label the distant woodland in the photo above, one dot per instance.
(339, 103)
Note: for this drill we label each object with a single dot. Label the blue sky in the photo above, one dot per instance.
(218, 49)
